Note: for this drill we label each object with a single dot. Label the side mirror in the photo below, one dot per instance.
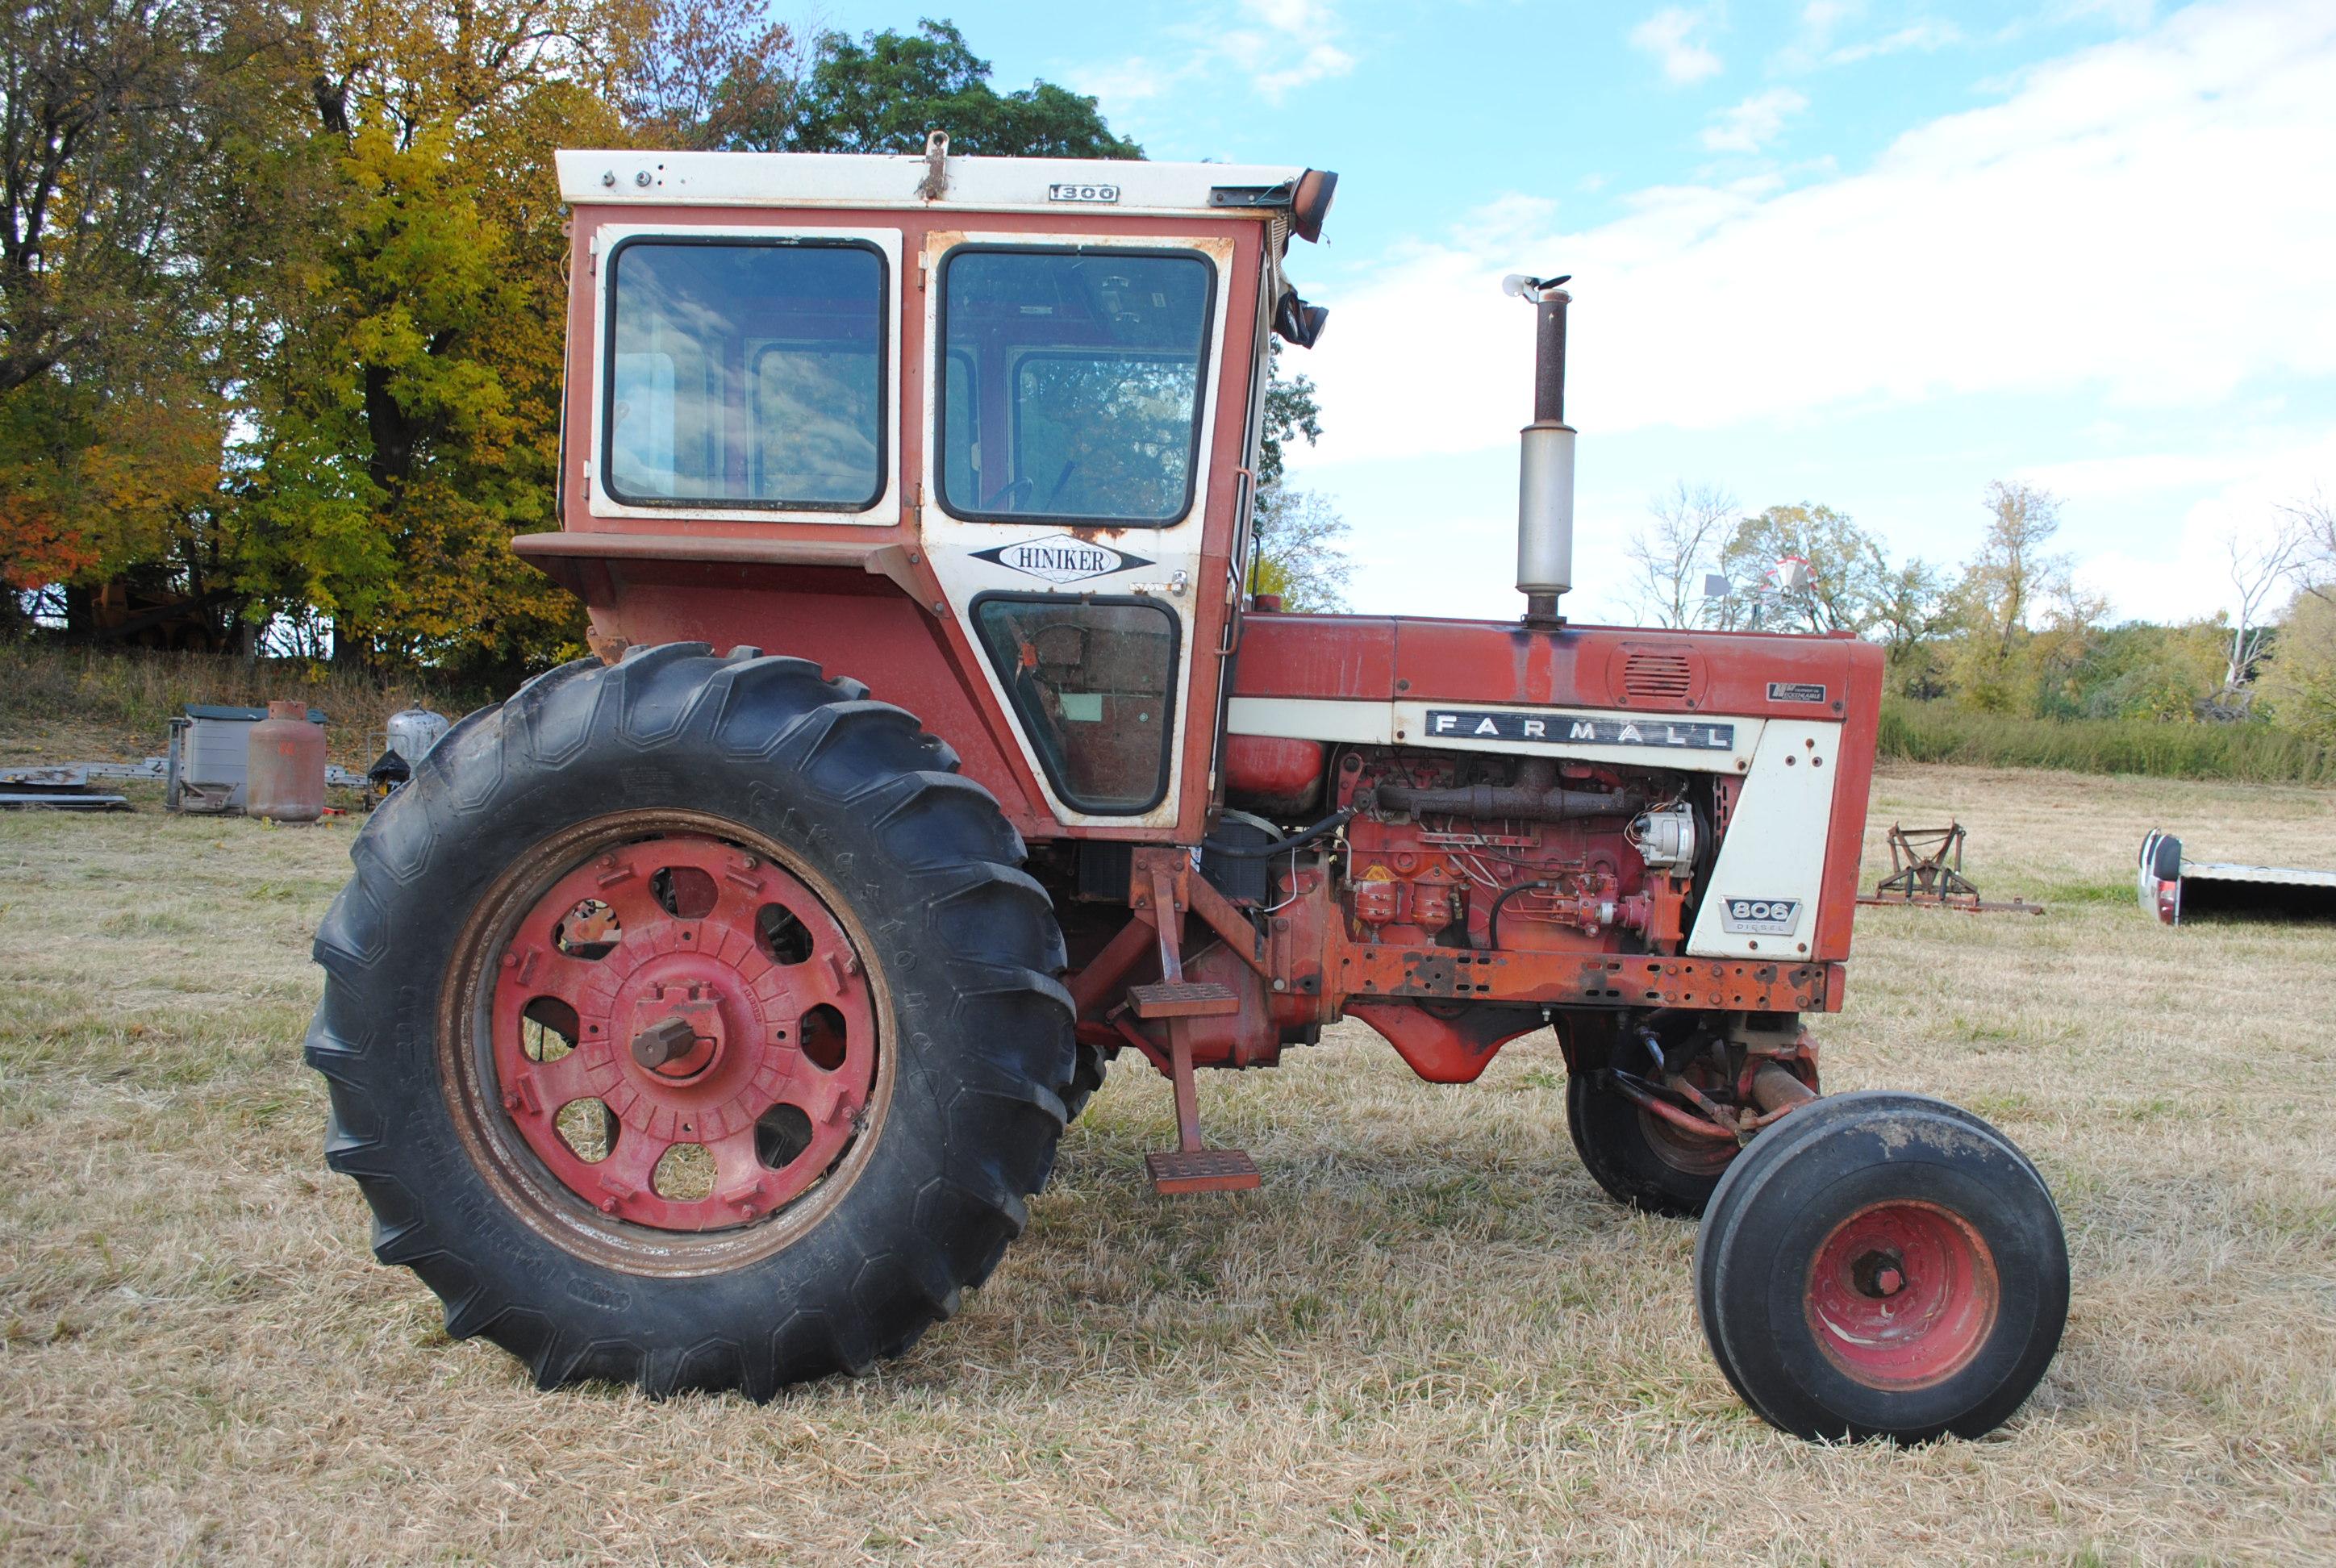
(1296, 322)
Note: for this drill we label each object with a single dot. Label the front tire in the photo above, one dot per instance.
(720, 915)
(1883, 1265)
(1637, 1157)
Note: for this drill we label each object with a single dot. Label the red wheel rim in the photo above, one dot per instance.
(1902, 1295)
(713, 1010)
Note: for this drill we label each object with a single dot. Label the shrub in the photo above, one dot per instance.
(2247, 753)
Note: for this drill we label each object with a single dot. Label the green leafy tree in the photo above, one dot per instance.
(1299, 551)
(1910, 613)
(283, 290)
(713, 74)
(120, 125)
(711, 78)
(2299, 680)
(1849, 581)
(2139, 670)
(1292, 413)
(408, 413)
(2022, 624)
(883, 92)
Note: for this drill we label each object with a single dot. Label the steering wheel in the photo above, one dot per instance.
(1006, 490)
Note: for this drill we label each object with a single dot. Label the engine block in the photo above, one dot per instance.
(1536, 854)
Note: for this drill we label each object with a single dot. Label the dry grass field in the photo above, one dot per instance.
(1428, 1338)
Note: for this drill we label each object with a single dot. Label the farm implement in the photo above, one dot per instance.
(2176, 889)
(702, 1016)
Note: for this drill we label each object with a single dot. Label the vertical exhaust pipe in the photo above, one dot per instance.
(1545, 460)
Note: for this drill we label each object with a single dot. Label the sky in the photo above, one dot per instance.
(1863, 253)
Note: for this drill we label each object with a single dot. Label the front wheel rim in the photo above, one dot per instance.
(1902, 1295)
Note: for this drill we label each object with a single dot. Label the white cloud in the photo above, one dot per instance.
(1294, 17)
(2144, 473)
(1128, 81)
(1925, 36)
(1822, 16)
(2146, 221)
(1670, 36)
(1279, 46)
(2192, 577)
(1749, 126)
(1319, 62)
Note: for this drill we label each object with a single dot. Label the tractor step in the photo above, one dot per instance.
(1202, 1171)
(1182, 999)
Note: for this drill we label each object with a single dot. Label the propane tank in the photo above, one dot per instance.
(1545, 460)
(286, 779)
(413, 731)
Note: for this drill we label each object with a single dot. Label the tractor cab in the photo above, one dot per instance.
(1026, 392)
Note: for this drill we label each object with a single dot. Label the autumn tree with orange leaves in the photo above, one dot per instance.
(283, 289)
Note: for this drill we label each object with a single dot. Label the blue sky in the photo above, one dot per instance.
(1861, 252)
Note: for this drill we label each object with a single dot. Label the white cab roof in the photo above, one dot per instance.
(859, 179)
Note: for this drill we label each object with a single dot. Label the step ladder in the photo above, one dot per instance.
(1192, 1167)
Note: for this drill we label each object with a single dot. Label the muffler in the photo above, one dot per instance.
(1545, 458)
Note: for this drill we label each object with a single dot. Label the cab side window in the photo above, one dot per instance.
(745, 373)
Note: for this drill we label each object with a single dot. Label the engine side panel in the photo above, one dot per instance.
(1783, 727)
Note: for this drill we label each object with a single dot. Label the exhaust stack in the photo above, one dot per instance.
(1546, 465)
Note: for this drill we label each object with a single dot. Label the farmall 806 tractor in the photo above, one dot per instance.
(702, 1016)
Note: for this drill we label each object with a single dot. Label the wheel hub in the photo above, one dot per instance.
(678, 1030)
(683, 1034)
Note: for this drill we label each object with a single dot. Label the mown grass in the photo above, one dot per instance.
(64, 704)
(1427, 1340)
(1940, 732)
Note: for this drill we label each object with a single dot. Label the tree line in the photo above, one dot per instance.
(2010, 630)
(283, 288)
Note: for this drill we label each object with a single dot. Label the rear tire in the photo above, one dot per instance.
(940, 957)
(1883, 1265)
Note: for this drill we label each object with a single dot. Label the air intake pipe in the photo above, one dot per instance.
(1546, 465)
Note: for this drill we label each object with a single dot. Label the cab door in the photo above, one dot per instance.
(1074, 386)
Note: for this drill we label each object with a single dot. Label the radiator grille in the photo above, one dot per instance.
(1658, 677)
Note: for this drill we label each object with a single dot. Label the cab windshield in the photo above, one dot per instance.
(1072, 384)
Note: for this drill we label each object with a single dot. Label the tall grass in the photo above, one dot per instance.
(64, 704)
(2243, 752)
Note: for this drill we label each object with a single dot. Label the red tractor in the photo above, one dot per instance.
(702, 1016)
